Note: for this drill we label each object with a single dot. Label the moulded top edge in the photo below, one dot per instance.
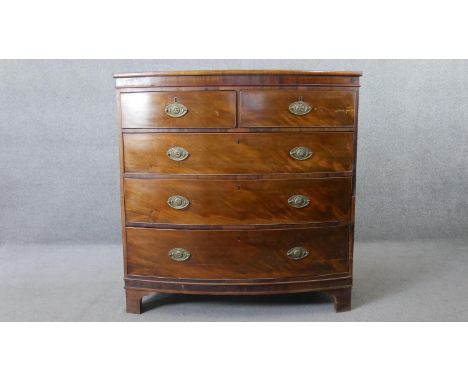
(241, 73)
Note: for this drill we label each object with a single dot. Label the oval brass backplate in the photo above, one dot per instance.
(178, 202)
(298, 201)
(300, 107)
(176, 109)
(177, 153)
(301, 153)
(297, 253)
(179, 254)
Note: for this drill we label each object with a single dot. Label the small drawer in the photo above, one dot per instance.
(178, 109)
(241, 202)
(235, 254)
(297, 108)
(242, 153)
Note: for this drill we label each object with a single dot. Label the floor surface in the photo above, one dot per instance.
(393, 281)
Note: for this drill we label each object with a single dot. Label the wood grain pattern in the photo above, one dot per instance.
(270, 108)
(336, 280)
(247, 72)
(225, 202)
(222, 78)
(342, 298)
(238, 177)
(237, 130)
(237, 254)
(245, 153)
(134, 299)
(209, 82)
(205, 109)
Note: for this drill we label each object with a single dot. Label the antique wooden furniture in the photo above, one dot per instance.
(238, 182)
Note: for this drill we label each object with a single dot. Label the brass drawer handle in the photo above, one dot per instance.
(297, 253)
(300, 107)
(301, 153)
(178, 202)
(298, 201)
(176, 109)
(177, 153)
(179, 254)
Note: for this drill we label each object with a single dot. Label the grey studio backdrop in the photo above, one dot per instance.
(59, 162)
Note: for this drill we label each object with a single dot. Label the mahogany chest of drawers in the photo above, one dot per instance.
(238, 182)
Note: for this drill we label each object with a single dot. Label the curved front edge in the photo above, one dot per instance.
(227, 287)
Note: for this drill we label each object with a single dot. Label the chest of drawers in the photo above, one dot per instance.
(238, 182)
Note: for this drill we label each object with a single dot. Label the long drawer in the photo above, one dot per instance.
(296, 108)
(242, 153)
(237, 254)
(226, 202)
(178, 109)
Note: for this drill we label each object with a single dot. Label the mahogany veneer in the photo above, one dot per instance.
(207, 109)
(269, 108)
(238, 182)
(235, 254)
(235, 202)
(239, 153)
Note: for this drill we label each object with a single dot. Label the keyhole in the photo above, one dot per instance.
(238, 187)
(238, 238)
(238, 141)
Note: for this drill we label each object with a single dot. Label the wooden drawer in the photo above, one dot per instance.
(204, 109)
(226, 153)
(240, 202)
(237, 254)
(271, 108)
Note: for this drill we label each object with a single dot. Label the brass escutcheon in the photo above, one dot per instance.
(178, 202)
(301, 153)
(179, 254)
(176, 109)
(177, 153)
(298, 201)
(300, 107)
(297, 253)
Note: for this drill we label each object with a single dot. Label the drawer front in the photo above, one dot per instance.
(237, 254)
(277, 108)
(249, 153)
(226, 202)
(178, 109)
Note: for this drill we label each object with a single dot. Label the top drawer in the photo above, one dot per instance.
(178, 109)
(296, 108)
